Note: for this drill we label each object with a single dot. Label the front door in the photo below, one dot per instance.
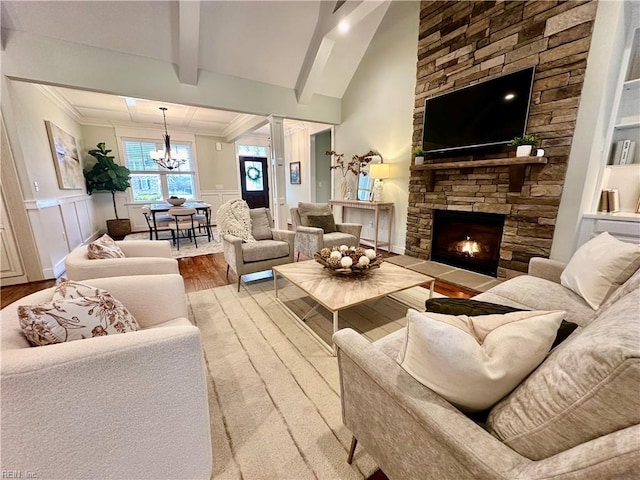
(254, 180)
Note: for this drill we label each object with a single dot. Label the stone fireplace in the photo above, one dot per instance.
(468, 240)
(465, 42)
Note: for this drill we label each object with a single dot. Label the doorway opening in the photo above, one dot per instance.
(320, 166)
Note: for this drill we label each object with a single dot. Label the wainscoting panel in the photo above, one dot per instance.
(59, 225)
(217, 197)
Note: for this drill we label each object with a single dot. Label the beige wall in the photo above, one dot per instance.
(30, 107)
(377, 110)
(216, 167)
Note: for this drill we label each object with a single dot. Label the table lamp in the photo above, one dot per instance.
(378, 171)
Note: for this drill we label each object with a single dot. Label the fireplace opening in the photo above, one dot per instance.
(468, 240)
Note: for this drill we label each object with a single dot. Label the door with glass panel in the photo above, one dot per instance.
(254, 180)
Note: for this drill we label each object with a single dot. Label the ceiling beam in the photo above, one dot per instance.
(189, 41)
(323, 40)
(242, 125)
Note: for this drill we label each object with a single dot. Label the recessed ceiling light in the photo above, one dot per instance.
(509, 96)
(343, 26)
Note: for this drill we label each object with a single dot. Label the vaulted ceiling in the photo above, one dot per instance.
(298, 45)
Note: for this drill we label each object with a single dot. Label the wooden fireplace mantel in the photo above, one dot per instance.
(516, 167)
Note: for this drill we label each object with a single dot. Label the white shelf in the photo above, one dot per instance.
(631, 84)
(619, 216)
(626, 125)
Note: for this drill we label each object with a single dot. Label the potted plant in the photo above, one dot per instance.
(418, 155)
(107, 176)
(524, 144)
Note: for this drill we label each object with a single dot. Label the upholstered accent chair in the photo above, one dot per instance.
(272, 246)
(315, 229)
(130, 405)
(142, 257)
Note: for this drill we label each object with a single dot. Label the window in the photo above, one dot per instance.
(151, 183)
(252, 151)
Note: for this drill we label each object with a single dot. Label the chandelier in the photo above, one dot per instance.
(165, 158)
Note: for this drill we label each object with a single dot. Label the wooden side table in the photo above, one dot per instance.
(377, 207)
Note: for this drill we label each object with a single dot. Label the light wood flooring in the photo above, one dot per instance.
(200, 273)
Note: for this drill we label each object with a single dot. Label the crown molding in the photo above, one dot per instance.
(60, 101)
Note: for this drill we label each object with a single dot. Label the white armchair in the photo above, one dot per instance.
(143, 257)
(132, 405)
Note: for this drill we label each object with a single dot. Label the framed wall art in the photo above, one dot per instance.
(294, 173)
(66, 158)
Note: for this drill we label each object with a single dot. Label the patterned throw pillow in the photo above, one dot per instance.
(325, 222)
(67, 318)
(104, 247)
(70, 289)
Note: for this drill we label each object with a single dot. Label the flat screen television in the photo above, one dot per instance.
(488, 113)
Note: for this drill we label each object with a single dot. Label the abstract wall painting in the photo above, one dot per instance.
(66, 158)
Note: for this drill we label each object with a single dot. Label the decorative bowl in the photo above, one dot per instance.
(354, 265)
(176, 202)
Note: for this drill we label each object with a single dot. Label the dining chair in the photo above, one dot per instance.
(162, 224)
(203, 217)
(184, 221)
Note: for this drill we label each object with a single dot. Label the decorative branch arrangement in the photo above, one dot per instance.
(355, 165)
(340, 164)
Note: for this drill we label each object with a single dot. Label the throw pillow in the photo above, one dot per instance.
(599, 267)
(104, 247)
(306, 209)
(468, 306)
(473, 362)
(325, 222)
(260, 224)
(69, 319)
(70, 289)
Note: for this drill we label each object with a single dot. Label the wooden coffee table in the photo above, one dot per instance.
(339, 292)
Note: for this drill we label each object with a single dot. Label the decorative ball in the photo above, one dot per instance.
(334, 262)
(363, 261)
(344, 248)
(360, 251)
(335, 254)
(335, 248)
(370, 253)
(352, 249)
(346, 262)
(325, 252)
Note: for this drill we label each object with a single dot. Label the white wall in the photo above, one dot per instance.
(377, 111)
(296, 149)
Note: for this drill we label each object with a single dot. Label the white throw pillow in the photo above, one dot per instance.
(473, 362)
(599, 267)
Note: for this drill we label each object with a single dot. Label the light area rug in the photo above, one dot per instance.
(274, 394)
(187, 249)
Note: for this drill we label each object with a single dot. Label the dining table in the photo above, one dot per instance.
(200, 207)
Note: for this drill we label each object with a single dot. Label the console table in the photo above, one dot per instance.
(377, 207)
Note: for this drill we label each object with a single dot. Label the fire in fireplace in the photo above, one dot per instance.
(469, 240)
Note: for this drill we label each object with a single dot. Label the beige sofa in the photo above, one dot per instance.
(143, 257)
(577, 416)
(123, 406)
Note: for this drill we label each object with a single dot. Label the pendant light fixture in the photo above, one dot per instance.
(165, 158)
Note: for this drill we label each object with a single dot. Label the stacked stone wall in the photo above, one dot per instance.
(462, 43)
